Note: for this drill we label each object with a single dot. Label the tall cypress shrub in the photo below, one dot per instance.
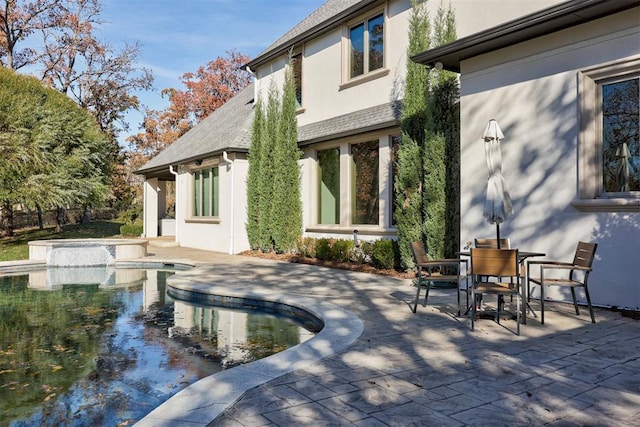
(427, 168)
(274, 211)
(286, 209)
(254, 210)
(409, 212)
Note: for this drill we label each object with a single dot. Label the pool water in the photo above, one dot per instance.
(109, 353)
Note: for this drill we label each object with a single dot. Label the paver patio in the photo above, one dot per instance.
(429, 368)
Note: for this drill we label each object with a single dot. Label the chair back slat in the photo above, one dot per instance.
(492, 243)
(494, 262)
(419, 252)
(585, 253)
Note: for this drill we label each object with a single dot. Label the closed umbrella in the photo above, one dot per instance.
(623, 154)
(497, 205)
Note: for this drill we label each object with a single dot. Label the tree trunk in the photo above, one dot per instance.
(86, 215)
(40, 221)
(6, 219)
(60, 216)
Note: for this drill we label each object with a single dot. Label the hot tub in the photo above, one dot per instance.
(86, 252)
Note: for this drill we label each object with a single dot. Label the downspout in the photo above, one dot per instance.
(174, 173)
(228, 161)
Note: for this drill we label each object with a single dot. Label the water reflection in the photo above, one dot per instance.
(108, 346)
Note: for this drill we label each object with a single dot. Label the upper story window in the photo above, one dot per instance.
(206, 192)
(366, 46)
(296, 63)
(609, 138)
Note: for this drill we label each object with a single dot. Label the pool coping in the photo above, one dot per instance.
(203, 401)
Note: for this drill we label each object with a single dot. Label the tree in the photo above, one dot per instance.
(427, 177)
(286, 206)
(206, 90)
(274, 206)
(55, 155)
(69, 57)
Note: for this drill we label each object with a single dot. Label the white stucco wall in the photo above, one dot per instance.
(228, 232)
(532, 90)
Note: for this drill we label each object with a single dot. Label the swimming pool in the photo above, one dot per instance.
(107, 350)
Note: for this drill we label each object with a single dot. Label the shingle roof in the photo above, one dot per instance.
(373, 118)
(331, 13)
(227, 128)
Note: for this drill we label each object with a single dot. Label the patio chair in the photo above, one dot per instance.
(496, 264)
(582, 261)
(429, 271)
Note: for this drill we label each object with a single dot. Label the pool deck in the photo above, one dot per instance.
(427, 368)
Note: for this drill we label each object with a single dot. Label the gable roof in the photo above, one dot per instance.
(545, 21)
(329, 15)
(227, 128)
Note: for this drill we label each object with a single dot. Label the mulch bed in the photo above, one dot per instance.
(330, 264)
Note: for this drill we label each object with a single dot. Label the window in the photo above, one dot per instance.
(206, 192)
(609, 151)
(620, 122)
(329, 186)
(395, 147)
(296, 62)
(365, 193)
(366, 46)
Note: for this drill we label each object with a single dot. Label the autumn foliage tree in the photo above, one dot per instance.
(205, 91)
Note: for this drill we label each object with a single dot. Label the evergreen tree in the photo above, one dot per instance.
(409, 181)
(254, 174)
(286, 208)
(427, 177)
(53, 152)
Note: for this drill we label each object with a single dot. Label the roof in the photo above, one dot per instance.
(227, 128)
(543, 22)
(329, 15)
(374, 118)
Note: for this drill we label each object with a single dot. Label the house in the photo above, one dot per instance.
(350, 96)
(563, 84)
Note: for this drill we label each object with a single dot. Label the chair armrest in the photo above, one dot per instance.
(564, 267)
(548, 262)
(437, 262)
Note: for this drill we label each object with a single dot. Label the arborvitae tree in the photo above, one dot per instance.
(273, 189)
(442, 182)
(286, 207)
(409, 181)
(254, 210)
(427, 200)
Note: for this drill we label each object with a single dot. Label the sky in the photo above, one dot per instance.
(178, 36)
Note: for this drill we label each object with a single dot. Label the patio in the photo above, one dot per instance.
(429, 368)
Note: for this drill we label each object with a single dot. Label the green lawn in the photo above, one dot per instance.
(16, 247)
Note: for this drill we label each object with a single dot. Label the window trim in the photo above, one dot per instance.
(590, 194)
(347, 80)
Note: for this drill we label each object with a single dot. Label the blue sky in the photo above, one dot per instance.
(179, 36)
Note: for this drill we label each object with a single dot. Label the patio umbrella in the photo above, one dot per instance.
(623, 154)
(497, 205)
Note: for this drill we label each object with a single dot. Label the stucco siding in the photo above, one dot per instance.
(532, 90)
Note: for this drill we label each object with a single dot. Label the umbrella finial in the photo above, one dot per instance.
(492, 131)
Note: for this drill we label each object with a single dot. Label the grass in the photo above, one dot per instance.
(17, 247)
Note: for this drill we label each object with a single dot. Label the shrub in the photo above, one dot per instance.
(323, 249)
(384, 255)
(306, 247)
(363, 254)
(131, 230)
(342, 250)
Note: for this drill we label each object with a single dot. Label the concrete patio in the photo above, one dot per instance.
(429, 368)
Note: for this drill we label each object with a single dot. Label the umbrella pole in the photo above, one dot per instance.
(498, 233)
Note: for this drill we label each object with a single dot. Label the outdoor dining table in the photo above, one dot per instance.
(523, 256)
